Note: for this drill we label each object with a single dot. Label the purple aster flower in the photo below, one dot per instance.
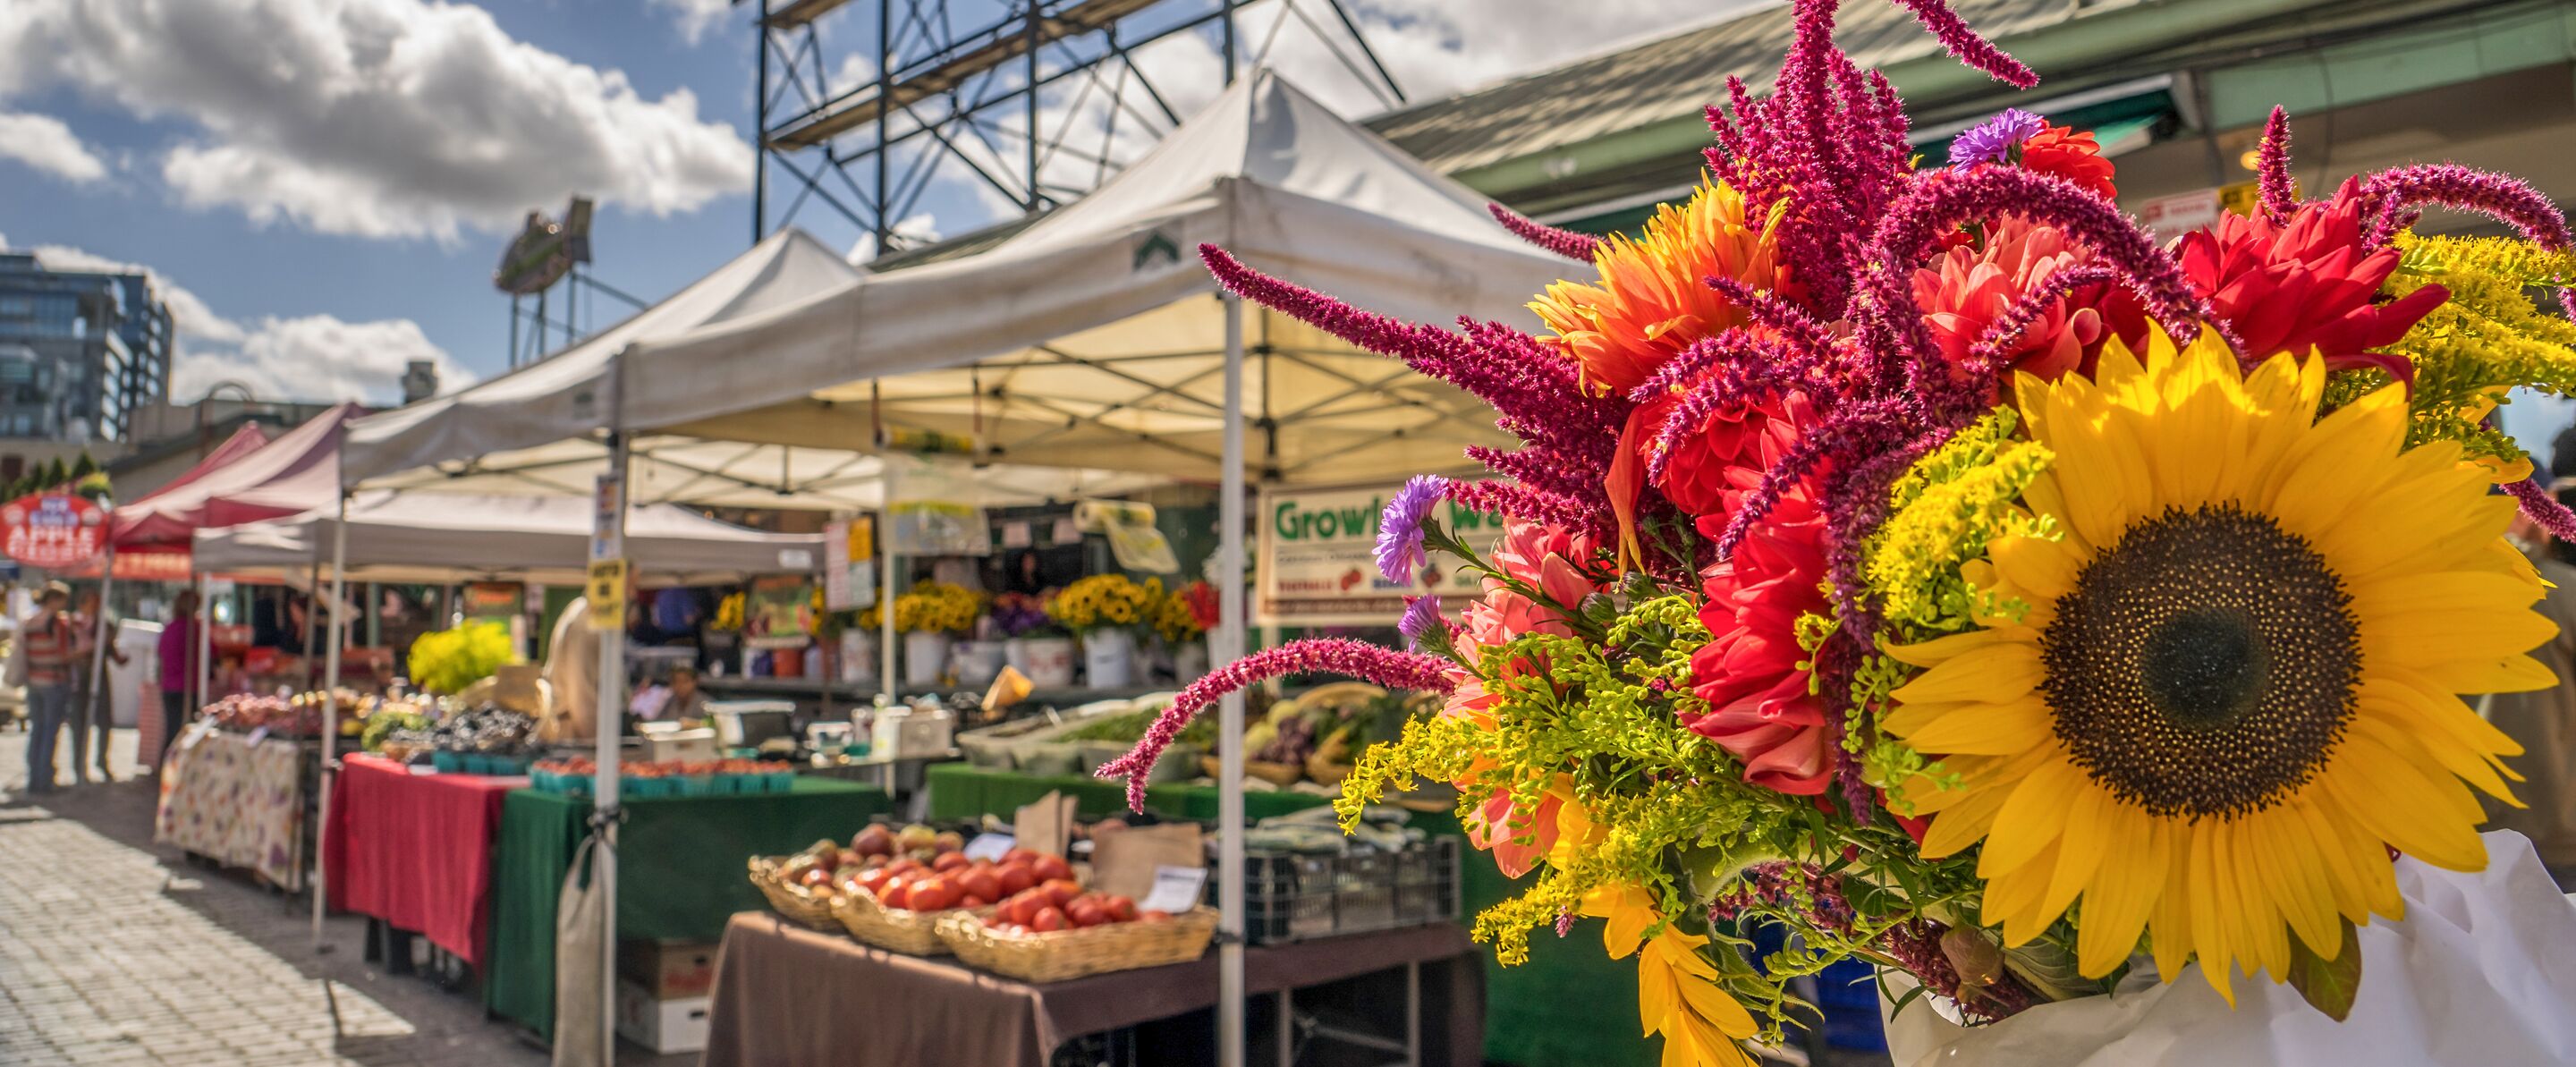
(1421, 617)
(1993, 140)
(1399, 531)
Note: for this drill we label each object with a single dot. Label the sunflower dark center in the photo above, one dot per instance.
(2203, 666)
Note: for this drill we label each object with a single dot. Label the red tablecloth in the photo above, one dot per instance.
(415, 850)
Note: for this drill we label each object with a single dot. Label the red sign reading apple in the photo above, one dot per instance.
(52, 530)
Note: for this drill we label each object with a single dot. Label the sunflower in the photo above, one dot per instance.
(2235, 686)
(1653, 299)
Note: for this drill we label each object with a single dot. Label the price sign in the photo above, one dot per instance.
(990, 846)
(607, 593)
(1176, 889)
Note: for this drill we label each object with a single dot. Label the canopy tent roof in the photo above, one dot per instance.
(246, 439)
(406, 537)
(296, 472)
(1093, 339)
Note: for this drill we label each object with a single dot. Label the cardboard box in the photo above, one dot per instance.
(664, 1026)
(669, 970)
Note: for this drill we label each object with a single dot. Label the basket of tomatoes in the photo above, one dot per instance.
(1055, 931)
(898, 906)
(800, 886)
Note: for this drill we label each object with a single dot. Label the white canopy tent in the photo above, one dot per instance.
(396, 537)
(1093, 339)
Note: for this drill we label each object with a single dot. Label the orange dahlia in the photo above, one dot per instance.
(1653, 299)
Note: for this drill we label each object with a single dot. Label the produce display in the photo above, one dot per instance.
(1062, 905)
(298, 716)
(648, 778)
(388, 719)
(917, 868)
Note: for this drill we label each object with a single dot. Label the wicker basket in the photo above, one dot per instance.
(1062, 954)
(793, 901)
(913, 933)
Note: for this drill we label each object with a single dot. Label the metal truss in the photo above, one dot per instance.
(1036, 106)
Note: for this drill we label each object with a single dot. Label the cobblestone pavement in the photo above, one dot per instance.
(114, 951)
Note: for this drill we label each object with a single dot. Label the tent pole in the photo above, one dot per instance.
(1229, 579)
(205, 643)
(611, 702)
(98, 660)
(336, 634)
(885, 609)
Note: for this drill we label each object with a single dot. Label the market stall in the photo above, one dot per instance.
(241, 798)
(791, 997)
(681, 859)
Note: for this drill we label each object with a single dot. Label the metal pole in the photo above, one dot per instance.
(205, 642)
(1229, 646)
(885, 92)
(1035, 198)
(611, 701)
(760, 127)
(885, 607)
(1229, 58)
(98, 657)
(336, 633)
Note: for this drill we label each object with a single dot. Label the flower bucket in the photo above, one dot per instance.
(1189, 661)
(858, 660)
(975, 663)
(925, 657)
(1109, 658)
(1047, 661)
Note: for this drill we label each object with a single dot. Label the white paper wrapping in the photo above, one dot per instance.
(2481, 971)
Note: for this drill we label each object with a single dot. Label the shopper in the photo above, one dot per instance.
(178, 671)
(572, 676)
(45, 659)
(92, 711)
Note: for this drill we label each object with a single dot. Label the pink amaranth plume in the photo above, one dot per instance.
(2544, 508)
(1322, 655)
(2398, 194)
(2279, 194)
(1964, 43)
(1767, 309)
(1567, 243)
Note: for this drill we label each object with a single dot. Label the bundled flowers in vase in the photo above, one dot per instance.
(1101, 602)
(1020, 614)
(1183, 614)
(931, 607)
(1926, 561)
(447, 661)
(729, 613)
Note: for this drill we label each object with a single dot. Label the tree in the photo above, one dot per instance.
(83, 467)
(55, 475)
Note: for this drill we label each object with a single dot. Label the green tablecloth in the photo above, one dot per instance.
(681, 862)
(1570, 1004)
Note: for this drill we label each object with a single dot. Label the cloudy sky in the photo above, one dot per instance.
(323, 186)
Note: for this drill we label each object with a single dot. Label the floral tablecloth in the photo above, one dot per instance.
(238, 801)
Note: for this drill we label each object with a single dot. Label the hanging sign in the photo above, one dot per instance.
(849, 563)
(778, 611)
(53, 531)
(1317, 560)
(607, 534)
(500, 601)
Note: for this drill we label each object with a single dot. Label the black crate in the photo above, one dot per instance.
(1290, 896)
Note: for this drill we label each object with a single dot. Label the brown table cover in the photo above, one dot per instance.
(787, 996)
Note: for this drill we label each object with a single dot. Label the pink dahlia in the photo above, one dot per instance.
(2306, 284)
(1966, 289)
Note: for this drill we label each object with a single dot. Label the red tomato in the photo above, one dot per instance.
(905, 866)
(1021, 906)
(970, 900)
(1047, 920)
(1050, 868)
(1121, 909)
(1086, 913)
(1062, 890)
(815, 877)
(1016, 877)
(1150, 915)
(1019, 855)
(933, 894)
(874, 879)
(896, 894)
(949, 861)
(981, 882)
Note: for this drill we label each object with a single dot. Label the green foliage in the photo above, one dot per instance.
(447, 661)
(2490, 336)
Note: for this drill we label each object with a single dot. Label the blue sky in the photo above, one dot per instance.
(323, 186)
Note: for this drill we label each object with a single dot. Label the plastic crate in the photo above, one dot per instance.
(1290, 896)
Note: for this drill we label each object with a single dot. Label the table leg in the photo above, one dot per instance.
(1287, 1028)
(1413, 1013)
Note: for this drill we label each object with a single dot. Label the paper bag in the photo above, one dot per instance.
(1045, 825)
(1123, 863)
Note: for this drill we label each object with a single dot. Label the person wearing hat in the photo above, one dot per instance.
(46, 662)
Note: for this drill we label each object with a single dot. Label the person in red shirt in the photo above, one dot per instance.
(49, 653)
(178, 669)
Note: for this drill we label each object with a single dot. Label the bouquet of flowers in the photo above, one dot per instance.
(1925, 561)
(1182, 614)
(729, 613)
(447, 661)
(1101, 601)
(1019, 614)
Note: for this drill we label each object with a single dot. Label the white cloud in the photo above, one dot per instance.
(316, 357)
(695, 17)
(311, 357)
(43, 142)
(380, 118)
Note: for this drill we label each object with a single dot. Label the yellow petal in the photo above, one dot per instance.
(2046, 569)
(2123, 894)
(1971, 729)
(2031, 819)
(2382, 792)
(1996, 673)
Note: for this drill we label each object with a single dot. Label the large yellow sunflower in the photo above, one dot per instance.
(2236, 688)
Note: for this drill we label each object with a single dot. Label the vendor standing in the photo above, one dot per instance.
(178, 671)
(47, 661)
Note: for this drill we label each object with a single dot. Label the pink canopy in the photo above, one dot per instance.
(295, 473)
